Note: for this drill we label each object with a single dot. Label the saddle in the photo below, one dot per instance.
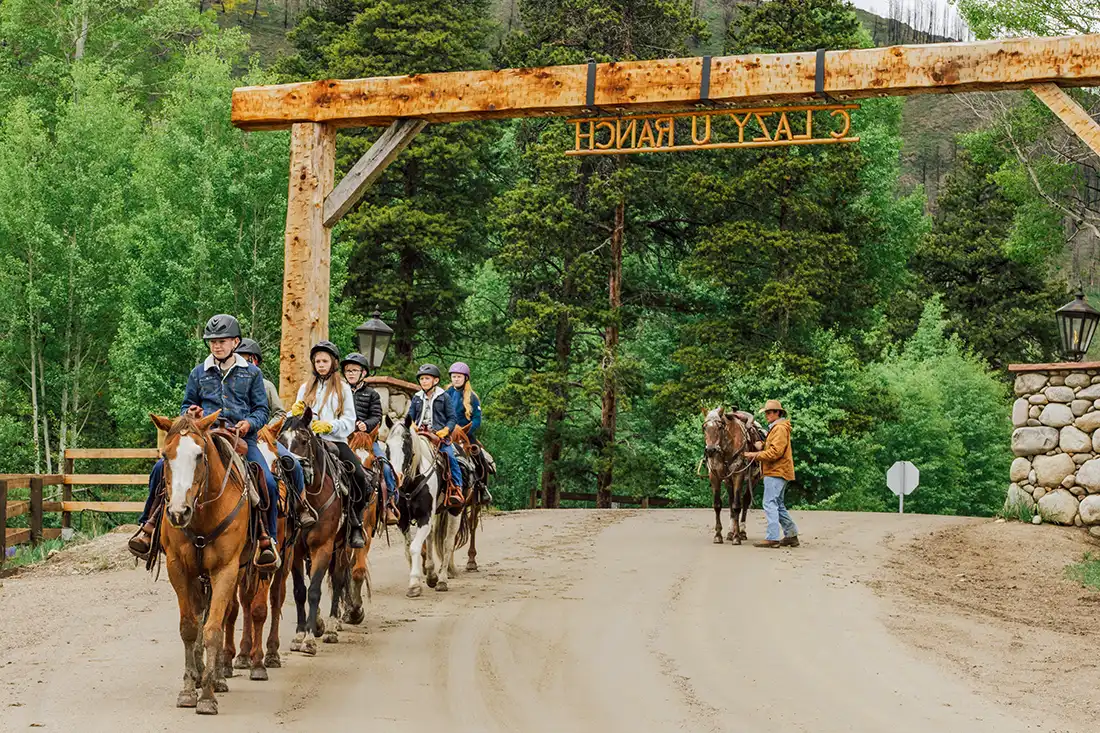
(232, 439)
(454, 498)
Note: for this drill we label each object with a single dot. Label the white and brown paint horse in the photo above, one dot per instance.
(728, 437)
(419, 469)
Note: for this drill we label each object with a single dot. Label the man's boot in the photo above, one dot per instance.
(267, 556)
(790, 540)
(356, 539)
(142, 541)
(307, 515)
(767, 543)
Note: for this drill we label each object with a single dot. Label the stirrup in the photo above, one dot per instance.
(134, 544)
(267, 567)
(454, 498)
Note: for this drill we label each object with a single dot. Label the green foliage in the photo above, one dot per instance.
(1086, 572)
(993, 18)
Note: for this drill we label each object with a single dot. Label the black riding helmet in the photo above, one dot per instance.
(250, 347)
(325, 346)
(430, 370)
(356, 358)
(221, 326)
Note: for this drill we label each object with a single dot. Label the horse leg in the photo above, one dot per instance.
(431, 576)
(189, 634)
(297, 571)
(416, 560)
(277, 597)
(733, 485)
(360, 578)
(746, 502)
(319, 562)
(258, 617)
(716, 489)
(241, 660)
(222, 585)
(471, 556)
(448, 532)
(338, 570)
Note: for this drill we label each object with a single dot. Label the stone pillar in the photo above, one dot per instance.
(1056, 442)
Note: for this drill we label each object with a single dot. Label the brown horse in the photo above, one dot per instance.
(355, 560)
(728, 437)
(314, 550)
(204, 533)
(257, 589)
(471, 510)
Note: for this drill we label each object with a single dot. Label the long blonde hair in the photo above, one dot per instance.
(335, 382)
(468, 394)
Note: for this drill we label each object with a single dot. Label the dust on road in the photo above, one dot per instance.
(579, 621)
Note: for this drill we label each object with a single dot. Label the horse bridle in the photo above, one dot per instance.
(724, 442)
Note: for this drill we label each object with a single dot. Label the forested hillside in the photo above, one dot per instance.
(131, 210)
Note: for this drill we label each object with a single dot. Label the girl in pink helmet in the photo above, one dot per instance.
(461, 393)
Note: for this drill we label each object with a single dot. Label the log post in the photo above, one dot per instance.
(36, 510)
(307, 256)
(3, 521)
(67, 492)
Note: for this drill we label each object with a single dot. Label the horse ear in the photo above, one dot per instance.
(164, 423)
(277, 426)
(408, 421)
(307, 416)
(374, 433)
(204, 423)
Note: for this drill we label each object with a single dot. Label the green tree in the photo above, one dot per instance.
(422, 222)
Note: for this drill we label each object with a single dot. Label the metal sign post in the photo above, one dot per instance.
(902, 478)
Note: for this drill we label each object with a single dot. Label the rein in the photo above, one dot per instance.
(734, 460)
(201, 542)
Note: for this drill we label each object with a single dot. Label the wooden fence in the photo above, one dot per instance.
(37, 506)
(644, 501)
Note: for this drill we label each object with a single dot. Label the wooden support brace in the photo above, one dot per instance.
(1072, 114)
(369, 168)
(3, 521)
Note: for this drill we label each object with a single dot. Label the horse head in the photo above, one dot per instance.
(267, 440)
(715, 432)
(400, 449)
(184, 445)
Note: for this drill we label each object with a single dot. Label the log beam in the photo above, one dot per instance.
(369, 168)
(1072, 114)
(667, 84)
(306, 253)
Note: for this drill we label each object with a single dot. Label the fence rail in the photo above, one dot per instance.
(644, 501)
(36, 506)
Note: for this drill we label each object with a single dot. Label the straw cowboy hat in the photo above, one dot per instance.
(774, 405)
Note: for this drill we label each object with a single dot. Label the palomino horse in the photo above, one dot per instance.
(727, 438)
(313, 552)
(471, 510)
(416, 460)
(204, 533)
(258, 589)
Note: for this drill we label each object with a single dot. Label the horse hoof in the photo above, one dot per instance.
(258, 673)
(413, 592)
(227, 670)
(471, 567)
(355, 616)
(207, 707)
(331, 638)
(241, 662)
(187, 699)
(220, 686)
(272, 660)
(736, 540)
(441, 586)
(743, 535)
(730, 536)
(309, 646)
(717, 539)
(295, 646)
(432, 580)
(319, 629)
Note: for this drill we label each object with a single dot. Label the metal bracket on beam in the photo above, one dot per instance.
(590, 91)
(369, 168)
(819, 79)
(704, 85)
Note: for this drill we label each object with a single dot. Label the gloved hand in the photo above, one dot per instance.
(320, 427)
(298, 408)
(443, 432)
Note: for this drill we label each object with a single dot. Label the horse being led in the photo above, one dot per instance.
(728, 436)
(204, 533)
(314, 550)
(257, 589)
(419, 468)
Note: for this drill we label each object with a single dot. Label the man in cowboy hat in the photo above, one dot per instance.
(777, 464)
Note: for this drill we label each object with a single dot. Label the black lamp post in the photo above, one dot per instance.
(374, 340)
(1076, 325)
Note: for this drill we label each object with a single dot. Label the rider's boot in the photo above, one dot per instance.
(356, 538)
(142, 541)
(267, 555)
(390, 503)
(455, 498)
(307, 515)
(486, 497)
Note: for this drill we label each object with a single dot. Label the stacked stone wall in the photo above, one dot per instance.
(1056, 441)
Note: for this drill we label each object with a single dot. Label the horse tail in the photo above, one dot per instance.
(463, 535)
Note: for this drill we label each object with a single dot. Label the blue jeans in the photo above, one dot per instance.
(387, 469)
(156, 478)
(456, 472)
(775, 510)
(297, 476)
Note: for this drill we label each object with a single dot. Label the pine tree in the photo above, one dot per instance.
(422, 223)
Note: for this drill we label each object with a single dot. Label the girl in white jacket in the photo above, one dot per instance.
(333, 406)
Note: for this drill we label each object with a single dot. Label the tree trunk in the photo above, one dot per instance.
(609, 409)
(34, 400)
(551, 454)
(45, 415)
(82, 38)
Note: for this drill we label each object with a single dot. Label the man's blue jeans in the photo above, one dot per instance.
(775, 509)
(387, 469)
(456, 472)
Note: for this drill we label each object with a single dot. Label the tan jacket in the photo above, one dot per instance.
(776, 458)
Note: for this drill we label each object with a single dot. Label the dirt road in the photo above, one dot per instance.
(578, 621)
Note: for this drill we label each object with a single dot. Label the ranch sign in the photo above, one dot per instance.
(711, 130)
